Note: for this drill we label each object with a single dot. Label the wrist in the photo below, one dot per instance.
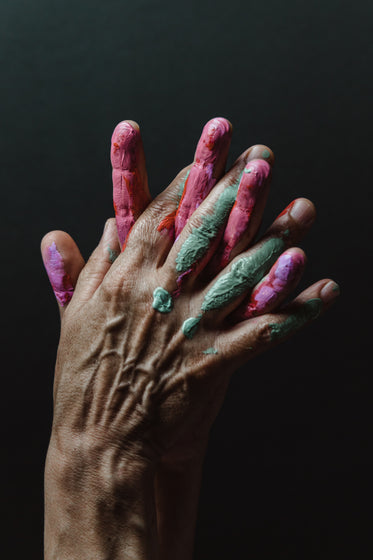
(99, 502)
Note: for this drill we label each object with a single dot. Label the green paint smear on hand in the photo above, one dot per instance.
(181, 187)
(112, 254)
(190, 326)
(308, 311)
(198, 242)
(162, 300)
(243, 275)
(266, 153)
(210, 351)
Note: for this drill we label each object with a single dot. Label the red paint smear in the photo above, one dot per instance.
(139, 199)
(287, 209)
(168, 222)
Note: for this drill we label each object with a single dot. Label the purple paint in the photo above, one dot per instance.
(283, 275)
(58, 277)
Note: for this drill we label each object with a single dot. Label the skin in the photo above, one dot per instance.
(135, 399)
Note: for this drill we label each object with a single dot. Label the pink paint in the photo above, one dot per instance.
(130, 186)
(273, 288)
(253, 181)
(58, 277)
(210, 157)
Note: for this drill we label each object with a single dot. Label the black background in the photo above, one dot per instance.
(288, 472)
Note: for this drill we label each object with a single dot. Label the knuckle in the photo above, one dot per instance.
(264, 333)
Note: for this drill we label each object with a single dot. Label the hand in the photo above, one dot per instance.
(157, 372)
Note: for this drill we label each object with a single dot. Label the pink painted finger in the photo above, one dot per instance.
(209, 165)
(130, 184)
(63, 263)
(60, 280)
(276, 286)
(245, 215)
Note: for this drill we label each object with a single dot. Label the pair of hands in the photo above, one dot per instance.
(150, 339)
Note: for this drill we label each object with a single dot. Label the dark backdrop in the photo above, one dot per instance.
(288, 472)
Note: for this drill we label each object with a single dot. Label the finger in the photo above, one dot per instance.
(204, 229)
(275, 286)
(209, 165)
(130, 183)
(294, 221)
(63, 263)
(255, 335)
(235, 282)
(246, 214)
(99, 262)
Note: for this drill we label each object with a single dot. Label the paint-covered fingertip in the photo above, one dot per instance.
(58, 276)
(217, 127)
(258, 170)
(124, 143)
(215, 140)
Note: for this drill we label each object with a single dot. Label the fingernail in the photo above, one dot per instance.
(330, 292)
(302, 212)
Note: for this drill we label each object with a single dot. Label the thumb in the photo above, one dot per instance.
(63, 263)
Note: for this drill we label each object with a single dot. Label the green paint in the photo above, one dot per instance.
(181, 187)
(248, 170)
(162, 300)
(266, 153)
(308, 311)
(198, 242)
(190, 326)
(243, 275)
(112, 254)
(210, 351)
(286, 233)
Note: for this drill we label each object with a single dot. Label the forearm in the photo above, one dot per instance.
(98, 506)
